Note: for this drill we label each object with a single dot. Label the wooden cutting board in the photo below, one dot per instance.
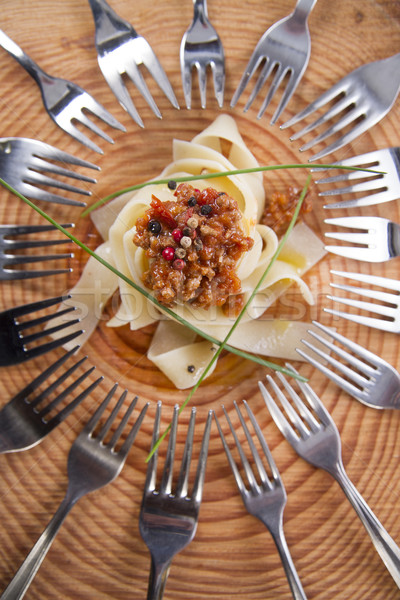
(98, 552)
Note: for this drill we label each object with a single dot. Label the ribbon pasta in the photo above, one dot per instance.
(174, 348)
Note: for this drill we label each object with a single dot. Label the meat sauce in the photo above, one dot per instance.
(193, 243)
(279, 210)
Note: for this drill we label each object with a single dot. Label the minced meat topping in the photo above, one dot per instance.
(193, 243)
(280, 207)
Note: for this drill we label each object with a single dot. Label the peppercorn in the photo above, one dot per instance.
(178, 264)
(186, 231)
(198, 244)
(172, 184)
(191, 368)
(186, 242)
(192, 222)
(154, 227)
(180, 253)
(206, 209)
(177, 235)
(168, 253)
(192, 201)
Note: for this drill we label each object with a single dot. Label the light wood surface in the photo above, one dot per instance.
(98, 552)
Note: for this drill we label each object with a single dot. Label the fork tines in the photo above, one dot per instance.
(201, 48)
(360, 100)
(169, 514)
(61, 396)
(366, 376)
(65, 102)
(375, 239)
(282, 51)
(379, 187)
(7, 247)
(13, 349)
(386, 305)
(252, 481)
(25, 420)
(106, 428)
(181, 489)
(120, 50)
(25, 164)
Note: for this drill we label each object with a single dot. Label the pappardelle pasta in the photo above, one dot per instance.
(211, 274)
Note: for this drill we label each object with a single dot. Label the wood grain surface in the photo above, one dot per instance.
(99, 552)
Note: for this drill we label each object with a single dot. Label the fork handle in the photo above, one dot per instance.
(107, 21)
(384, 544)
(394, 239)
(287, 562)
(24, 60)
(303, 8)
(21, 581)
(157, 579)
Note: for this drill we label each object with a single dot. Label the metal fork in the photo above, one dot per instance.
(24, 419)
(381, 188)
(390, 320)
(8, 245)
(201, 47)
(265, 500)
(64, 101)
(380, 238)
(120, 50)
(364, 96)
(93, 462)
(15, 347)
(286, 47)
(168, 518)
(367, 377)
(310, 429)
(26, 163)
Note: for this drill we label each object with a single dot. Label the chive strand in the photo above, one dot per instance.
(216, 174)
(146, 294)
(239, 317)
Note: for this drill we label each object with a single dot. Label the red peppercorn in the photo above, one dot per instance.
(178, 264)
(177, 235)
(168, 253)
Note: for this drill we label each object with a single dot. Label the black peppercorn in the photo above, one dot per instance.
(192, 201)
(172, 184)
(205, 209)
(191, 368)
(154, 227)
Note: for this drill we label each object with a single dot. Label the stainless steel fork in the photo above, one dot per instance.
(64, 101)
(9, 259)
(380, 238)
(265, 500)
(310, 429)
(387, 305)
(363, 97)
(285, 47)
(380, 188)
(26, 164)
(366, 376)
(26, 420)
(17, 345)
(93, 462)
(201, 47)
(168, 517)
(120, 50)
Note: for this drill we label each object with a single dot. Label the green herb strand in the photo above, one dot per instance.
(146, 294)
(216, 174)
(239, 317)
